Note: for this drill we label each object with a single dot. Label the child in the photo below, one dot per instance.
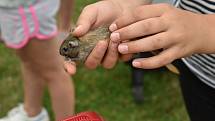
(29, 27)
(186, 31)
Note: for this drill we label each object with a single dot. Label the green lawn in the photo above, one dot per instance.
(107, 92)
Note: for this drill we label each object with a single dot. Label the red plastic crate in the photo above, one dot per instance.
(85, 116)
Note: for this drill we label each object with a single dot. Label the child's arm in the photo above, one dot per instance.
(177, 32)
(65, 13)
(103, 13)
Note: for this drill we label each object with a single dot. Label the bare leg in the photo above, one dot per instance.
(33, 87)
(45, 65)
(65, 14)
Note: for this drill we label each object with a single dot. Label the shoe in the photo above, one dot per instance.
(19, 114)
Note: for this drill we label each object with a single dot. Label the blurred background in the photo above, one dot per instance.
(108, 92)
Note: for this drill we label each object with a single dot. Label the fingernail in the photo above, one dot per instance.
(113, 27)
(136, 64)
(123, 49)
(114, 37)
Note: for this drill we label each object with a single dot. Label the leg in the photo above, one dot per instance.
(137, 84)
(33, 87)
(43, 59)
(199, 98)
(137, 79)
(65, 14)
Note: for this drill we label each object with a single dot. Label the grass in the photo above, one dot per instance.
(105, 91)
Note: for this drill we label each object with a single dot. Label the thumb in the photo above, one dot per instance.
(70, 67)
(86, 20)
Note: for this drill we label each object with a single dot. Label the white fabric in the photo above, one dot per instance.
(19, 114)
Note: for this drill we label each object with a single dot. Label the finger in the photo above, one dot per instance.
(111, 56)
(86, 19)
(126, 57)
(149, 43)
(141, 13)
(139, 29)
(97, 54)
(162, 59)
(70, 67)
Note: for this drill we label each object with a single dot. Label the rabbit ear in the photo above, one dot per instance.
(72, 28)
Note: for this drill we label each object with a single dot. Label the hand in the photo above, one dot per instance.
(104, 13)
(93, 16)
(177, 32)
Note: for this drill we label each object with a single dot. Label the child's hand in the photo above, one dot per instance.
(179, 33)
(104, 13)
(93, 16)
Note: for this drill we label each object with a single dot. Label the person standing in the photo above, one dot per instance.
(29, 27)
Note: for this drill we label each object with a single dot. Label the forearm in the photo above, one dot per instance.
(65, 14)
(209, 35)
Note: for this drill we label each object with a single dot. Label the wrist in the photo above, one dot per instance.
(208, 30)
(211, 30)
(125, 5)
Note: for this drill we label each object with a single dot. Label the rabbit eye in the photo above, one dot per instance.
(70, 44)
(73, 44)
